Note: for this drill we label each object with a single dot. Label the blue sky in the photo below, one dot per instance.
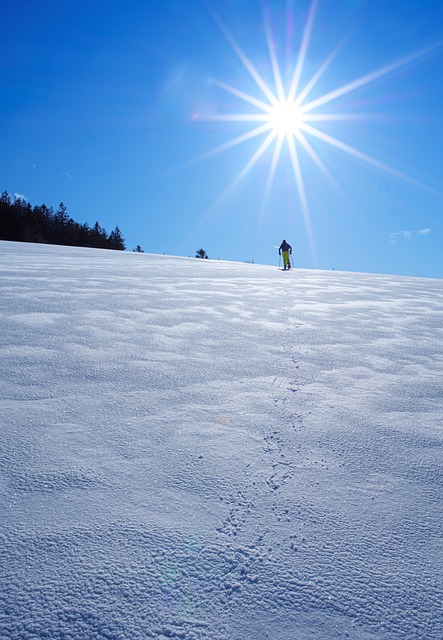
(118, 109)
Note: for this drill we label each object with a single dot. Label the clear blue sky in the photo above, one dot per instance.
(114, 107)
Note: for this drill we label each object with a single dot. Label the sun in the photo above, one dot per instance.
(284, 115)
(286, 118)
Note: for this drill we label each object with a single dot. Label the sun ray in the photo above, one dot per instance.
(298, 177)
(233, 143)
(363, 80)
(243, 96)
(352, 151)
(318, 161)
(335, 117)
(238, 117)
(274, 63)
(245, 61)
(303, 51)
(289, 33)
(316, 77)
(272, 171)
(239, 178)
(302, 194)
(255, 158)
(246, 169)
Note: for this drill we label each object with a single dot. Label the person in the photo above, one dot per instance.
(285, 250)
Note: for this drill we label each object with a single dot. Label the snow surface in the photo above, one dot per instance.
(204, 450)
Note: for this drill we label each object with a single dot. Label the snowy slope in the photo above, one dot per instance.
(204, 450)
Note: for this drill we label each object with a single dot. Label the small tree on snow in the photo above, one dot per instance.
(201, 253)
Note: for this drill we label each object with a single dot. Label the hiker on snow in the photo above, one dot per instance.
(285, 250)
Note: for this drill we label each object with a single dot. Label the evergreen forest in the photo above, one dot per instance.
(22, 222)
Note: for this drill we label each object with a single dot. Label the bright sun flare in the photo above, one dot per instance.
(286, 118)
(285, 114)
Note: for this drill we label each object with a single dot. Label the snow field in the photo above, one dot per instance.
(204, 450)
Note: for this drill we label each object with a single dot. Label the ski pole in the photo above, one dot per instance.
(292, 262)
(279, 256)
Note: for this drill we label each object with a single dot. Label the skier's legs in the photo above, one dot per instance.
(285, 255)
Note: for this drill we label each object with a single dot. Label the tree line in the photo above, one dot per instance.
(21, 222)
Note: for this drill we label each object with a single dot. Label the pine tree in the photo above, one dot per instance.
(9, 222)
(98, 237)
(116, 240)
